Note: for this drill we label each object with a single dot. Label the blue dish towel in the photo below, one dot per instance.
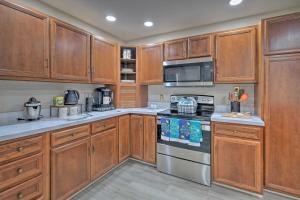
(184, 132)
(174, 129)
(165, 129)
(196, 136)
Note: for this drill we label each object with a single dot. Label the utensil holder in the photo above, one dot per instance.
(235, 106)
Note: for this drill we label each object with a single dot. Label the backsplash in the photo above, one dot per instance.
(160, 95)
(15, 93)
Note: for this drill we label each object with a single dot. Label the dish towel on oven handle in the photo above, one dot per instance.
(174, 129)
(165, 129)
(184, 132)
(196, 136)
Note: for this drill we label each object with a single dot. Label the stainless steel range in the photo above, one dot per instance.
(179, 157)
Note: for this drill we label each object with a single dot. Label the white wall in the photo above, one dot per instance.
(222, 26)
(13, 94)
(219, 91)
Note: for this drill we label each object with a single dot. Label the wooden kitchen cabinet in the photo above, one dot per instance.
(282, 34)
(124, 137)
(24, 40)
(137, 136)
(176, 49)
(70, 168)
(104, 61)
(151, 62)
(282, 110)
(150, 139)
(200, 46)
(236, 58)
(104, 147)
(70, 53)
(24, 168)
(237, 157)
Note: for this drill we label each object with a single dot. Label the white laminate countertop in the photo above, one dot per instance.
(254, 120)
(8, 132)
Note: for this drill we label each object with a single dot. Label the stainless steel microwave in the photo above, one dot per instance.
(191, 72)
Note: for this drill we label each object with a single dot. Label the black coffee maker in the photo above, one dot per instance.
(103, 99)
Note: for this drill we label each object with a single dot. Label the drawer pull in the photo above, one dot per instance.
(20, 170)
(19, 149)
(20, 195)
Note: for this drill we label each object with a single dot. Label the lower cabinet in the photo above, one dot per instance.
(70, 168)
(137, 136)
(104, 147)
(237, 157)
(150, 139)
(124, 137)
(143, 138)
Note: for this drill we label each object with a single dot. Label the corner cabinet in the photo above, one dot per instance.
(151, 61)
(236, 57)
(104, 61)
(238, 156)
(176, 49)
(70, 53)
(24, 39)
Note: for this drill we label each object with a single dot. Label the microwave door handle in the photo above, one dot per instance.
(177, 75)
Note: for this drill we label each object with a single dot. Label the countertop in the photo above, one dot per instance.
(8, 132)
(254, 120)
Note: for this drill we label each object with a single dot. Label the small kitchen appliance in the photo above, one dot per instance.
(71, 97)
(182, 159)
(103, 99)
(32, 109)
(189, 72)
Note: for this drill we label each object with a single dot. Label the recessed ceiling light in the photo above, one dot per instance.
(110, 18)
(235, 2)
(148, 23)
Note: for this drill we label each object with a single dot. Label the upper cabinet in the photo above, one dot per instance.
(104, 62)
(200, 46)
(24, 43)
(282, 34)
(151, 61)
(176, 49)
(70, 53)
(236, 56)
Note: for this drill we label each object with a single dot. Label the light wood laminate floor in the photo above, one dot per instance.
(135, 181)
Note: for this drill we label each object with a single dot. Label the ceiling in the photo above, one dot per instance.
(167, 15)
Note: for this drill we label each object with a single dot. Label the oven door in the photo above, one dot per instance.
(205, 146)
(193, 72)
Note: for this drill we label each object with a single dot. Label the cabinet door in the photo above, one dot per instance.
(24, 40)
(176, 49)
(236, 56)
(151, 59)
(104, 62)
(70, 53)
(282, 139)
(104, 152)
(137, 136)
(70, 168)
(200, 46)
(124, 141)
(282, 34)
(150, 139)
(238, 163)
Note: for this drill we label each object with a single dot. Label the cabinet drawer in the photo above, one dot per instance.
(20, 149)
(26, 191)
(18, 171)
(103, 125)
(242, 131)
(69, 135)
